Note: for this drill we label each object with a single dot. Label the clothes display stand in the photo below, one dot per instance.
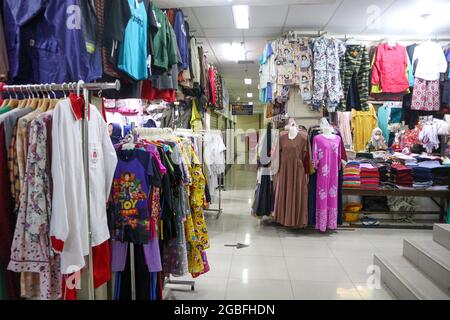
(87, 88)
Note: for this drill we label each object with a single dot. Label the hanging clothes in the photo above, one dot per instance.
(345, 127)
(31, 251)
(355, 65)
(291, 192)
(327, 78)
(68, 225)
(363, 123)
(327, 162)
(390, 69)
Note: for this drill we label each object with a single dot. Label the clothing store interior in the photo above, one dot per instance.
(225, 150)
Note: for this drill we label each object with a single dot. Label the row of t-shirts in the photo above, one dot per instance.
(214, 157)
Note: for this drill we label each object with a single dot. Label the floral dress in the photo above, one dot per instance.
(31, 250)
(327, 162)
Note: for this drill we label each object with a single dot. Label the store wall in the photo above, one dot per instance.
(300, 112)
(246, 140)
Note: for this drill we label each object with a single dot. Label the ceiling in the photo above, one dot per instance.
(211, 21)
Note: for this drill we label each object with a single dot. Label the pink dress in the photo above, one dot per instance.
(327, 162)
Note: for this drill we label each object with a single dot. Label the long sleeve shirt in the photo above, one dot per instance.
(430, 60)
(69, 220)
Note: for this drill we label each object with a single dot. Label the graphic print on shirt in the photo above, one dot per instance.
(130, 198)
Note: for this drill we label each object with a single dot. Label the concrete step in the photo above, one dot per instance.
(406, 281)
(431, 258)
(441, 234)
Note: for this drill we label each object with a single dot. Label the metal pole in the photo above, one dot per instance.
(133, 272)
(86, 174)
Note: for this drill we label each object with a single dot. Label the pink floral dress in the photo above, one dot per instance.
(327, 162)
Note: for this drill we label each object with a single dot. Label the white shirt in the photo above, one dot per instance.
(69, 212)
(430, 61)
(196, 72)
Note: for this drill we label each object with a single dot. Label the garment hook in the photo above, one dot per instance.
(79, 85)
(52, 91)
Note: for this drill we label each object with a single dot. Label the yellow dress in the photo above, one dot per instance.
(195, 224)
(363, 123)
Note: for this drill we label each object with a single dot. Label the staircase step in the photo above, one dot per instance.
(406, 281)
(431, 258)
(441, 234)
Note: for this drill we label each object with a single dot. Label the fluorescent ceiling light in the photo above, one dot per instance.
(234, 51)
(248, 81)
(249, 95)
(241, 17)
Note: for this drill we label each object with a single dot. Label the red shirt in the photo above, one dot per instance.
(389, 68)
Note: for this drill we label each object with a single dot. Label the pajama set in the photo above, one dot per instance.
(355, 63)
(431, 62)
(293, 63)
(327, 79)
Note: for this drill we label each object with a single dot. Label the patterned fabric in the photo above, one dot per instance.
(294, 67)
(327, 159)
(355, 63)
(31, 251)
(22, 142)
(13, 168)
(426, 95)
(327, 78)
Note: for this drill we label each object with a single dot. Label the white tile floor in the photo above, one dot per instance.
(286, 264)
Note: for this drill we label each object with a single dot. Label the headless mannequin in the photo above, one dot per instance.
(292, 129)
(326, 129)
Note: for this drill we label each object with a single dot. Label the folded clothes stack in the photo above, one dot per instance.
(441, 176)
(383, 170)
(423, 177)
(401, 175)
(370, 177)
(352, 174)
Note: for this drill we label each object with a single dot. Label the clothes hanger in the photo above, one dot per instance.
(55, 100)
(13, 103)
(46, 100)
(23, 102)
(6, 101)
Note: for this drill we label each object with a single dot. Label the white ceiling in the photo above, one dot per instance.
(211, 21)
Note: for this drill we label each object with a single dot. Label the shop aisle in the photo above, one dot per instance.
(286, 264)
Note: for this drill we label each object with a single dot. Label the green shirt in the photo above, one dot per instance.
(164, 48)
(5, 109)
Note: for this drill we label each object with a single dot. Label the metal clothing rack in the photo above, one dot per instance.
(86, 87)
(221, 177)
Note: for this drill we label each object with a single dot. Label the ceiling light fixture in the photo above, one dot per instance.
(249, 95)
(235, 51)
(241, 17)
(248, 81)
(250, 103)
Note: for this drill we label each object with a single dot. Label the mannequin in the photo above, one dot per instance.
(292, 129)
(326, 129)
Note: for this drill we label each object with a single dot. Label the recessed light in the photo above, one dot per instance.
(248, 81)
(241, 17)
(249, 95)
(250, 103)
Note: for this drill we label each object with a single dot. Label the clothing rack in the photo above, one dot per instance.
(78, 86)
(221, 177)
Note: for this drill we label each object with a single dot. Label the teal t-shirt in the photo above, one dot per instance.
(133, 51)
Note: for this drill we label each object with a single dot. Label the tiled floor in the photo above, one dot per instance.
(286, 264)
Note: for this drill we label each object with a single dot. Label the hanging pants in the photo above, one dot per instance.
(355, 65)
(327, 86)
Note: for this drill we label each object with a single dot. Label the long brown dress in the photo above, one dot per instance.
(291, 194)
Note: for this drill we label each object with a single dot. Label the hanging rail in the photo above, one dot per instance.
(63, 86)
(86, 88)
